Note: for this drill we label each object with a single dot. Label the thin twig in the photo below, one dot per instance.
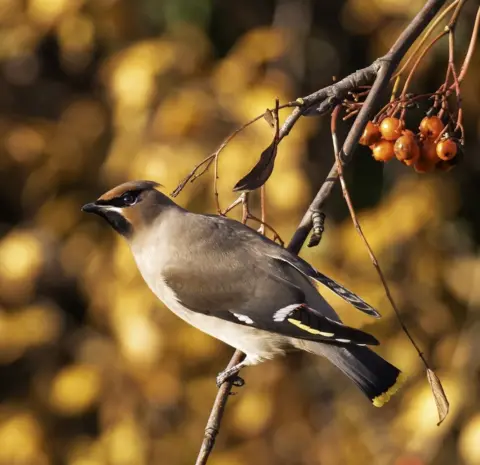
(245, 209)
(261, 229)
(424, 38)
(471, 48)
(419, 60)
(396, 85)
(451, 65)
(194, 174)
(239, 201)
(453, 20)
(437, 389)
(276, 140)
(207, 162)
(351, 114)
(359, 229)
(276, 236)
(247, 215)
(215, 184)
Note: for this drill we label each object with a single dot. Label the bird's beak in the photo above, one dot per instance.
(91, 208)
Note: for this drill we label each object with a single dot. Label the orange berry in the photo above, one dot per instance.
(428, 157)
(406, 148)
(428, 151)
(371, 134)
(411, 161)
(383, 150)
(447, 165)
(431, 127)
(391, 128)
(446, 149)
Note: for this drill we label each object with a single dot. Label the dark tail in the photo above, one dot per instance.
(378, 379)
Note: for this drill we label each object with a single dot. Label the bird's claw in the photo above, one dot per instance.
(233, 377)
(237, 381)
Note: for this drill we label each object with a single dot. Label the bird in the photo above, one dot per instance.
(242, 288)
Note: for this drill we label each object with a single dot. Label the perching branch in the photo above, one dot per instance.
(216, 414)
(320, 102)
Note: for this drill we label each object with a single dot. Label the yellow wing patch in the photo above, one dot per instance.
(308, 329)
(382, 399)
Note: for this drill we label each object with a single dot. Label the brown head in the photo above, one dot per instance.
(131, 206)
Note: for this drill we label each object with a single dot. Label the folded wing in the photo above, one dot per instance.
(338, 289)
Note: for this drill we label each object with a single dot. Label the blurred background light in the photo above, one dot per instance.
(93, 369)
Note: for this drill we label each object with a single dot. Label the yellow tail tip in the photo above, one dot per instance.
(383, 398)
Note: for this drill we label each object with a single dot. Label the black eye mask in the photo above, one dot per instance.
(119, 223)
(127, 199)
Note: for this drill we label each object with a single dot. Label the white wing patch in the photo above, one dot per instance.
(283, 313)
(243, 318)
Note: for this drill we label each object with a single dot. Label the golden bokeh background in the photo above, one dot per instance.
(93, 369)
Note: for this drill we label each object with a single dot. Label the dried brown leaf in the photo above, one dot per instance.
(269, 118)
(260, 173)
(439, 395)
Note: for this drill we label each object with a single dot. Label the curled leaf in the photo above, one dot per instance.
(260, 173)
(439, 395)
(269, 118)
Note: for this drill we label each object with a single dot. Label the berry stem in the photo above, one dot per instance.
(424, 38)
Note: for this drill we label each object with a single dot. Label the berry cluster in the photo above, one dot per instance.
(432, 148)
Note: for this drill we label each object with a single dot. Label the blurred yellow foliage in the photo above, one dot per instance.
(21, 438)
(85, 452)
(95, 371)
(20, 256)
(76, 33)
(48, 11)
(125, 444)
(24, 144)
(75, 389)
(469, 441)
(253, 413)
(21, 259)
(27, 328)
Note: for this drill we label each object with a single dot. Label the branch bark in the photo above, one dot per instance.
(216, 414)
(317, 103)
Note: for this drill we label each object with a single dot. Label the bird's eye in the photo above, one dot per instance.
(129, 199)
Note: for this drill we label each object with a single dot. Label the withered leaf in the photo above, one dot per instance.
(439, 395)
(260, 173)
(268, 116)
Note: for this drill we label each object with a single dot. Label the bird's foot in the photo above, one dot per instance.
(230, 375)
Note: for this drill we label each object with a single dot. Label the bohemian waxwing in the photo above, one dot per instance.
(242, 288)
